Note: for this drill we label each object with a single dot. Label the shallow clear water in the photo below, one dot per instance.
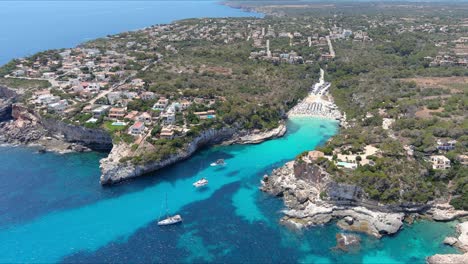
(52, 209)
(28, 27)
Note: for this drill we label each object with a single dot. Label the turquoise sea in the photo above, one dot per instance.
(52, 209)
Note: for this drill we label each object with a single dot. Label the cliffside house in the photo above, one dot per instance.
(315, 155)
(48, 75)
(184, 104)
(93, 87)
(58, 107)
(145, 118)
(161, 104)
(167, 133)
(41, 92)
(206, 114)
(138, 82)
(88, 109)
(46, 99)
(18, 73)
(440, 162)
(463, 159)
(168, 117)
(446, 145)
(114, 97)
(117, 113)
(146, 96)
(101, 111)
(346, 165)
(132, 115)
(137, 128)
(326, 57)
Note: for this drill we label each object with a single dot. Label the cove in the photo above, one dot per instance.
(54, 210)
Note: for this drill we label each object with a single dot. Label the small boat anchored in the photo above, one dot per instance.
(170, 220)
(219, 162)
(200, 183)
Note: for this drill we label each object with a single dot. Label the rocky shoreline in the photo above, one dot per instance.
(27, 128)
(461, 243)
(114, 170)
(312, 198)
(24, 127)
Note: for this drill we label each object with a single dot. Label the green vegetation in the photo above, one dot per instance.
(369, 78)
(23, 83)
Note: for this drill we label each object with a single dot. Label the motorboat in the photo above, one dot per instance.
(200, 183)
(219, 162)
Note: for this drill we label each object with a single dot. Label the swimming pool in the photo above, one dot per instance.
(119, 123)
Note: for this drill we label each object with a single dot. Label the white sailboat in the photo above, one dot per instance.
(170, 220)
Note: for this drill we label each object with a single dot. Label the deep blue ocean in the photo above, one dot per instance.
(27, 27)
(53, 209)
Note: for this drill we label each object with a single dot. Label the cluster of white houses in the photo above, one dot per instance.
(162, 113)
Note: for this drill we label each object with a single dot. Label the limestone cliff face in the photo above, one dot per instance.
(5, 92)
(96, 139)
(28, 127)
(312, 198)
(461, 243)
(5, 111)
(7, 98)
(114, 171)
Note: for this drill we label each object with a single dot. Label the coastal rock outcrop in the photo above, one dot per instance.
(445, 212)
(114, 170)
(7, 98)
(24, 128)
(448, 259)
(96, 139)
(27, 127)
(347, 242)
(461, 243)
(304, 187)
(257, 136)
(5, 111)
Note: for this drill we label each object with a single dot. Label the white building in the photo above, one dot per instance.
(93, 87)
(100, 111)
(137, 128)
(161, 104)
(145, 118)
(46, 99)
(58, 107)
(440, 162)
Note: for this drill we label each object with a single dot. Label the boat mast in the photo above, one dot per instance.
(167, 208)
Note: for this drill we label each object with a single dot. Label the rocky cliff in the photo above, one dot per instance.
(27, 127)
(96, 139)
(255, 137)
(6, 92)
(461, 243)
(113, 170)
(313, 198)
(304, 188)
(5, 110)
(7, 98)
